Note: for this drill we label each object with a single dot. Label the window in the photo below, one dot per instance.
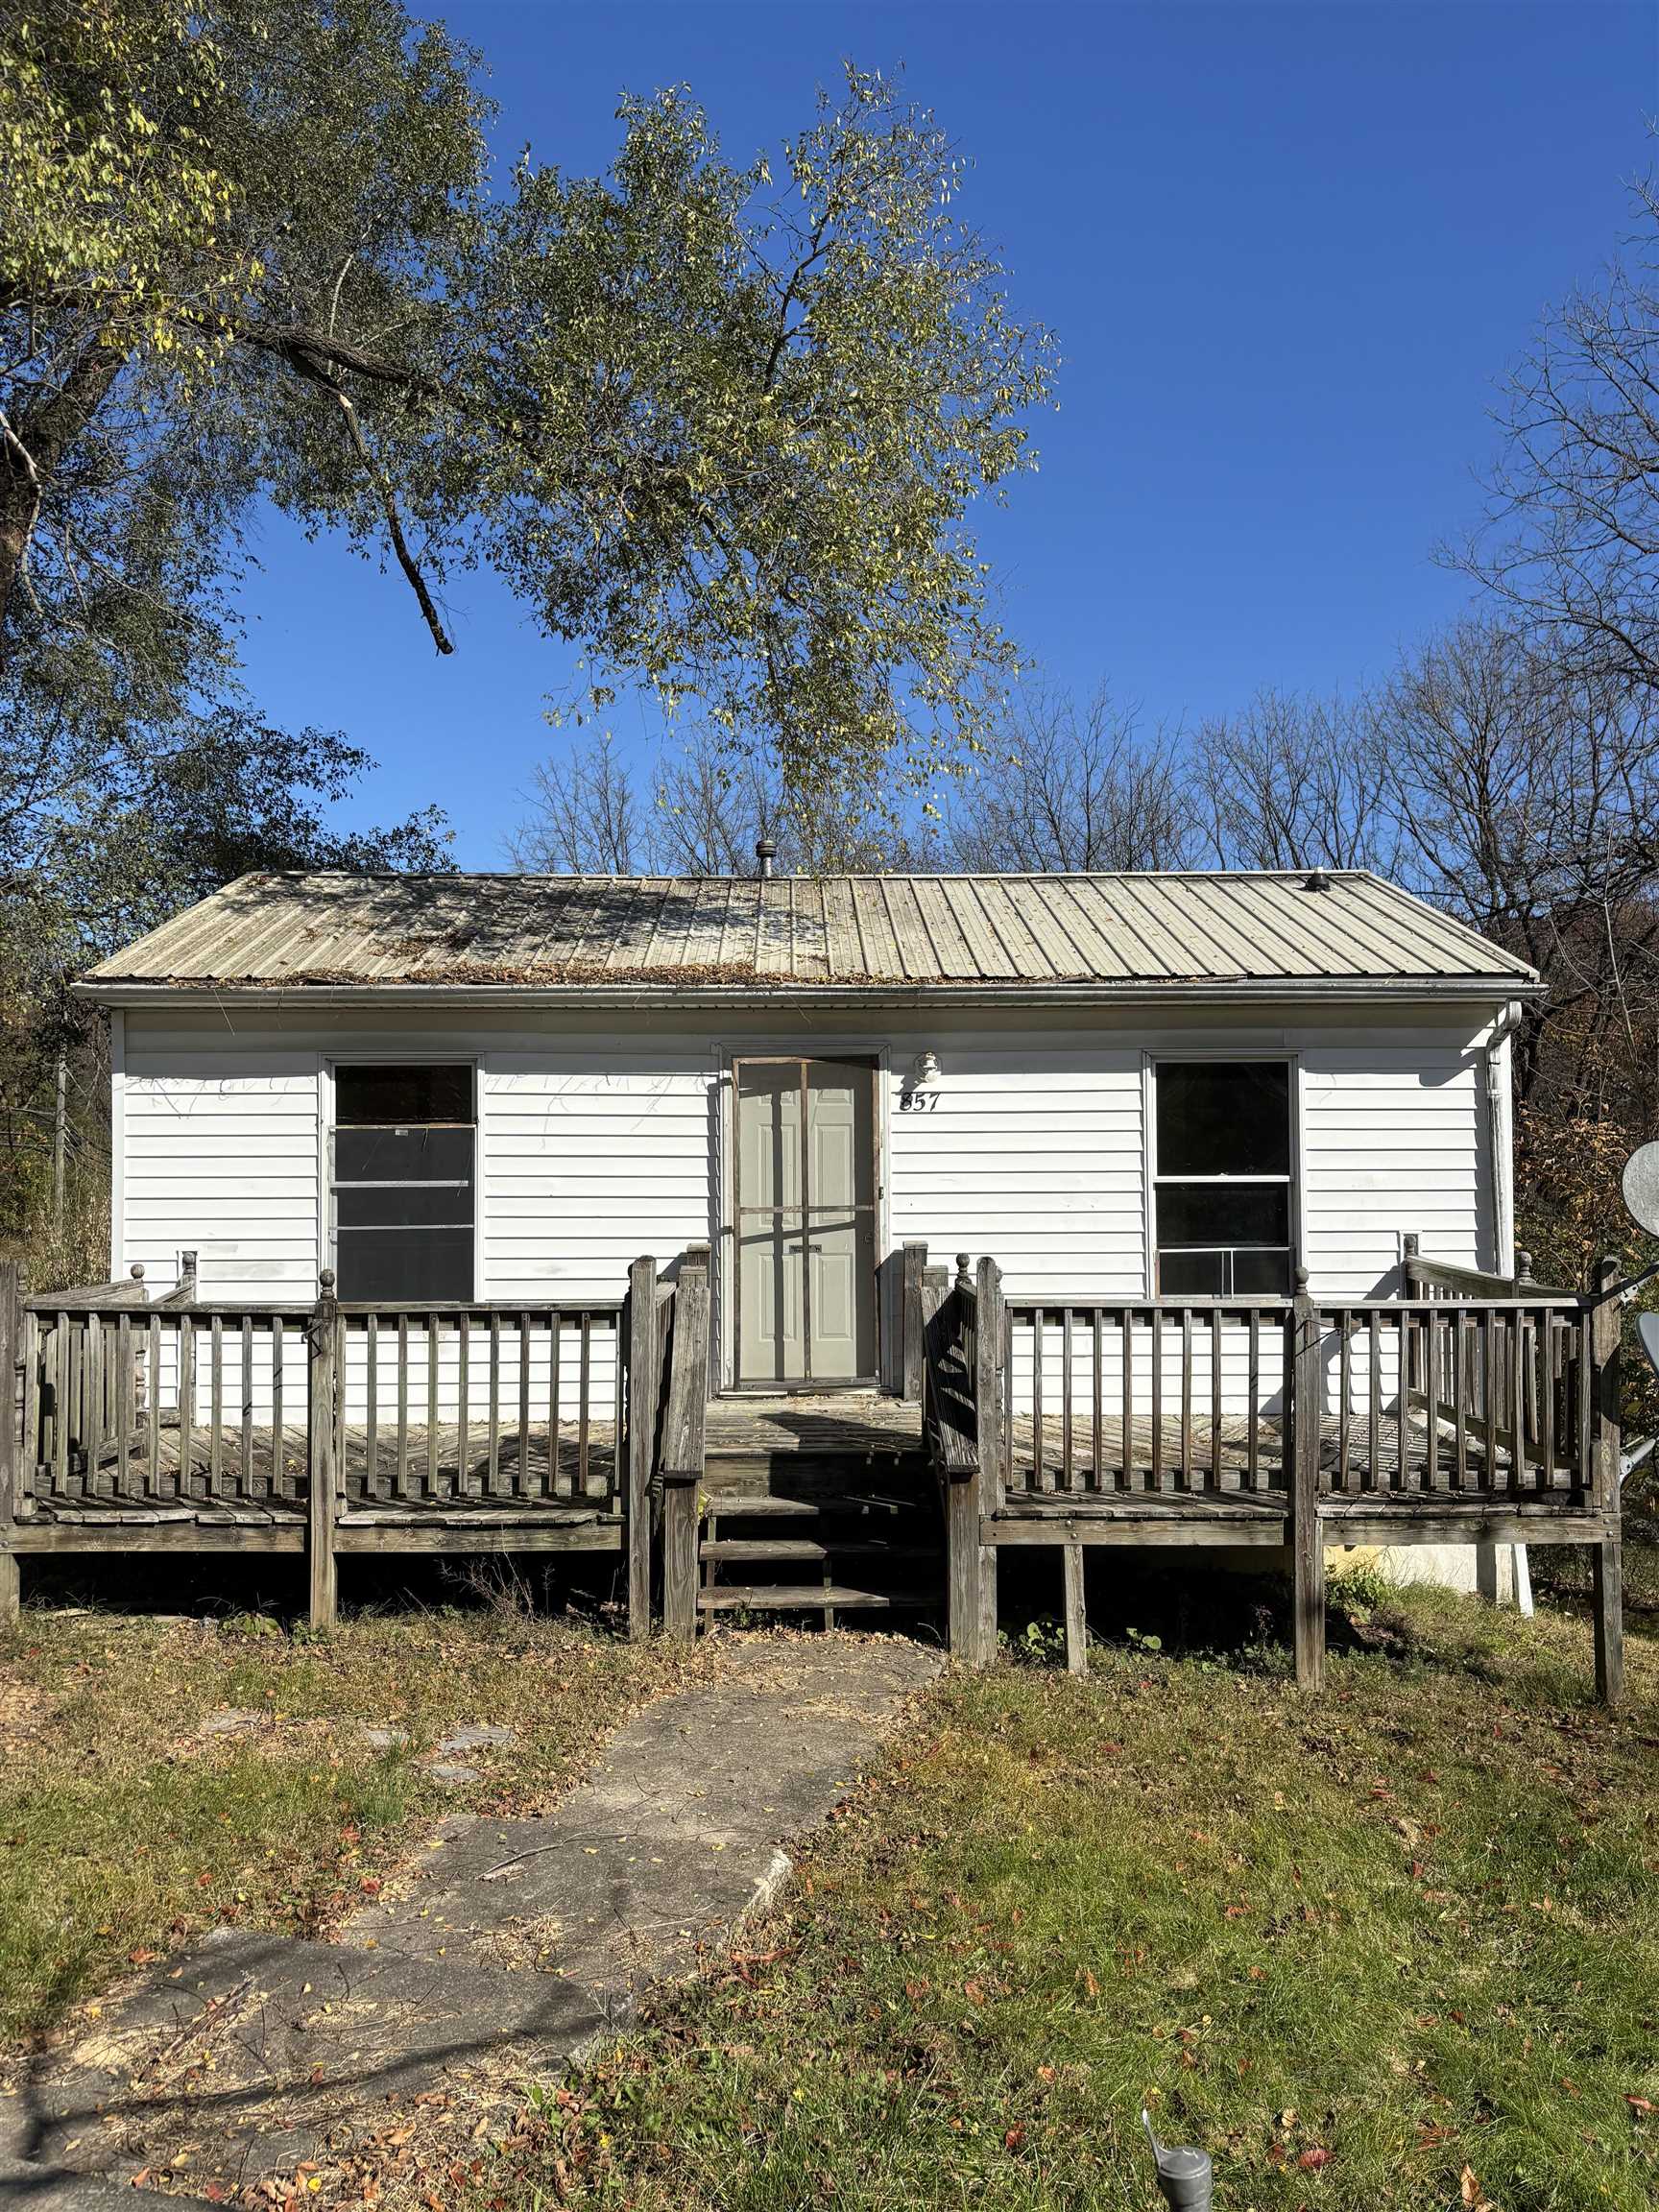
(1221, 1191)
(405, 1142)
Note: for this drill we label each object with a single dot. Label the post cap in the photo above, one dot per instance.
(136, 1270)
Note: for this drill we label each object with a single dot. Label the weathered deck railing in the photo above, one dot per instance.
(1153, 1396)
(1429, 1397)
(497, 1405)
(1473, 1409)
(329, 1429)
(443, 1406)
(961, 1333)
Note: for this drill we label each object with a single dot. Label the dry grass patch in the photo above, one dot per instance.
(133, 1817)
(1398, 1948)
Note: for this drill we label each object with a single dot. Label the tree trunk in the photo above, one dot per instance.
(32, 451)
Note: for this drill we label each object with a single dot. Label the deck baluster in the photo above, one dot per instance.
(583, 1403)
(1065, 1387)
(1216, 1398)
(463, 1380)
(1127, 1331)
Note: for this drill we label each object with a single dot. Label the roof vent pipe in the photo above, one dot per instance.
(766, 852)
(1318, 879)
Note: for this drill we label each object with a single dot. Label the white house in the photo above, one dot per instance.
(595, 1213)
(501, 1088)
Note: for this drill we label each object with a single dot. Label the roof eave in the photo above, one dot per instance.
(1323, 990)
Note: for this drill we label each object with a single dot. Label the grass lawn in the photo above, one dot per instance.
(1396, 1948)
(130, 1821)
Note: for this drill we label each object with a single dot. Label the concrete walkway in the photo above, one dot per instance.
(512, 1946)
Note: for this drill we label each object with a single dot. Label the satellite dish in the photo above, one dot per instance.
(1641, 1186)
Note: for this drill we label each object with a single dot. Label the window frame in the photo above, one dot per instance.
(399, 1055)
(1234, 1054)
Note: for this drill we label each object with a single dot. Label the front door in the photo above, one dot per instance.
(806, 1201)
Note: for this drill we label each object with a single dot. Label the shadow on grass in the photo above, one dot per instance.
(1239, 1616)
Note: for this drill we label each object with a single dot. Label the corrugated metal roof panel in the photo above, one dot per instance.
(956, 933)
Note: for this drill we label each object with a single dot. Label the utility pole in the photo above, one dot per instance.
(59, 1138)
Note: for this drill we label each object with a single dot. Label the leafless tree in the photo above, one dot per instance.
(699, 808)
(1293, 782)
(708, 810)
(1571, 540)
(584, 816)
(1525, 797)
(1069, 786)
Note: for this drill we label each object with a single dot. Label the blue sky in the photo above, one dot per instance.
(1286, 251)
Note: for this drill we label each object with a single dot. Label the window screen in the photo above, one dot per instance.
(404, 1146)
(1221, 1200)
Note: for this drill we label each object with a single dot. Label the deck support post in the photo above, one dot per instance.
(680, 1518)
(1076, 1620)
(1306, 1534)
(683, 1443)
(644, 1396)
(323, 1339)
(1608, 1556)
(973, 1564)
(12, 1453)
(966, 1558)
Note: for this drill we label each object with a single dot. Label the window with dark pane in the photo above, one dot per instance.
(1221, 1201)
(404, 1194)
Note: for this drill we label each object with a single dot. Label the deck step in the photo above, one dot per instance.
(723, 1548)
(770, 1505)
(804, 1470)
(806, 1597)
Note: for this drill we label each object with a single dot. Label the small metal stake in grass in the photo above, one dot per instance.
(1185, 2175)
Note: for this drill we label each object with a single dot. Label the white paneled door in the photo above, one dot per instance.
(806, 1220)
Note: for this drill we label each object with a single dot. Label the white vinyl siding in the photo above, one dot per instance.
(221, 1158)
(1035, 1155)
(591, 1158)
(599, 1144)
(1394, 1141)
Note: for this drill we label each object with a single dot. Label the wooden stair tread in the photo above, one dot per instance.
(803, 1597)
(757, 1547)
(764, 1504)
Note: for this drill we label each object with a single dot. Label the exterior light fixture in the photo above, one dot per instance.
(924, 1071)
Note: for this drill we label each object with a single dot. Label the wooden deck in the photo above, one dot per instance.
(1471, 1417)
(553, 1495)
(828, 1422)
(1222, 1486)
(1080, 1456)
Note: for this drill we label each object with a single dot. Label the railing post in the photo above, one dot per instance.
(1307, 1536)
(1607, 1328)
(644, 1395)
(10, 1452)
(322, 1338)
(682, 1432)
(989, 1403)
(1411, 1379)
(910, 1320)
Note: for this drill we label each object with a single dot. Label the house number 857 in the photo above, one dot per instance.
(919, 1102)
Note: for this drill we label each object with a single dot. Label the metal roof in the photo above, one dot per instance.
(680, 935)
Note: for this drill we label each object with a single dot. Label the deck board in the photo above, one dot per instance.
(1390, 1475)
(263, 1478)
(831, 1422)
(848, 1439)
